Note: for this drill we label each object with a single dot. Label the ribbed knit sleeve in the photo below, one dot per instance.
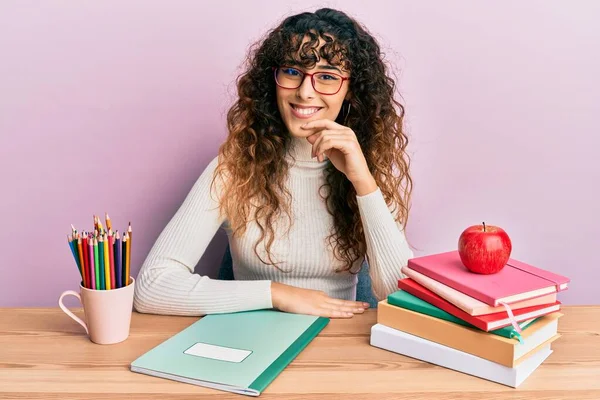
(167, 284)
(387, 249)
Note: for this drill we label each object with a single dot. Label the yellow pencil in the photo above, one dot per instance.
(127, 258)
(129, 234)
(106, 264)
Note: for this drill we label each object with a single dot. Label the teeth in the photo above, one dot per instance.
(306, 111)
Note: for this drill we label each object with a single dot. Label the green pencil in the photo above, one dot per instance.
(101, 259)
(96, 265)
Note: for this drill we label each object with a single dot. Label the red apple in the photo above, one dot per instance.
(484, 249)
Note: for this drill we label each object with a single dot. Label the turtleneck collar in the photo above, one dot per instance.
(300, 150)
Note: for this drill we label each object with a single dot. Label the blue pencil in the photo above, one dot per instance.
(118, 263)
(75, 253)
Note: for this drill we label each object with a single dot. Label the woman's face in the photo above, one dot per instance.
(305, 104)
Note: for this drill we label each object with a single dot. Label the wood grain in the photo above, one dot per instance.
(46, 355)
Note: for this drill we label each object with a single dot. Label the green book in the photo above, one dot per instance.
(406, 300)
(237, 352)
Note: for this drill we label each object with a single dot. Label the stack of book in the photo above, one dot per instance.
(498, 327)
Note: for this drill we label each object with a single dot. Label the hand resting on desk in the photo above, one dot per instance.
(313, 302)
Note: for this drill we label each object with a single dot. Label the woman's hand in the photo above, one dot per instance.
(340, 145)
(313, 302)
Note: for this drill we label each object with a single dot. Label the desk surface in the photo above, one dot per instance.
(45, 355)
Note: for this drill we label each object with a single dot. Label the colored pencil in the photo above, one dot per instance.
(105, 261)
(107, 283)
(74, 251)
(108, 223)
(113, 283)
(80, 253)
(91, 257)
(128, 266)
(97, 265)
(118, 269)
(101, 263)
(124, 260)
(103, 257)
(86, 261)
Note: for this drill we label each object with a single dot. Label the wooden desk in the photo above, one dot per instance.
(45, 355)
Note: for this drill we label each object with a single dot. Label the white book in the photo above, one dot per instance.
(409, 345)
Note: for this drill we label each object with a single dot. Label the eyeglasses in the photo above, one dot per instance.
(323, 82)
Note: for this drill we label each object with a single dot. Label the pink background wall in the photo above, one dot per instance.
(118, 106)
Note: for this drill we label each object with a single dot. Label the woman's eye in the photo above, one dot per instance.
(327, 77)
(291, 71)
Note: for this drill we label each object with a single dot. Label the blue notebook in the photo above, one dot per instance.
(237, 352)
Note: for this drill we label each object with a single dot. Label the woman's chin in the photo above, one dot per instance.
(296, 130)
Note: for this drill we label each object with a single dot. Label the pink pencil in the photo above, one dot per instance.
(92, 266)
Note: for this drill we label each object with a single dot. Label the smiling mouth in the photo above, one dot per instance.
(304, 111)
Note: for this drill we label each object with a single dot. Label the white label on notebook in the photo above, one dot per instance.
(218, 352)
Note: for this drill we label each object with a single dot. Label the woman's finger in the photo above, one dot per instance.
(329, 143)
(344, 308)
(323, 124)
(335, 313)
(348, 303)
(324, 134)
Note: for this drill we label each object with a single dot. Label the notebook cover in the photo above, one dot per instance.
(412, 346)
(515, 278)
(402, 298)
(271, 340)
(288, 355)
(467, 303)
(481, 321)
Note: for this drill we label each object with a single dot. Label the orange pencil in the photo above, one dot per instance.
(108, 223)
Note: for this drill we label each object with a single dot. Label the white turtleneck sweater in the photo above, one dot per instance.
(167, 284)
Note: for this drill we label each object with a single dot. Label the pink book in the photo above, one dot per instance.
(467, 303)
(517, 281)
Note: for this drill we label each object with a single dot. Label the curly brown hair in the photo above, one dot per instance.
(251, 166)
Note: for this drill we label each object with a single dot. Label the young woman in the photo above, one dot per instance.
(312, 178)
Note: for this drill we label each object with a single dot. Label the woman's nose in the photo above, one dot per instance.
(306, 90)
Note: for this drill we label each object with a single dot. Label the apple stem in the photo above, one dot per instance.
(484, 226)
